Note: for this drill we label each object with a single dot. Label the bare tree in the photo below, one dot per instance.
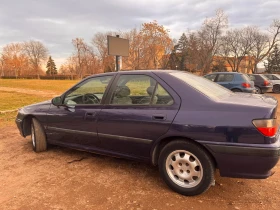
(208, 38)
(2, 66)
(37, 53)
(99, 41)
(236, 44)
(134, 60)
(264, 43)
(15, 62)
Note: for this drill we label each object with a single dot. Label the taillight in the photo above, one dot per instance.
(246, 85)
(268, 127)
(265, 83)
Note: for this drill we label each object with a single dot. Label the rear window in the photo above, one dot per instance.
(245, 77)
(208, 88)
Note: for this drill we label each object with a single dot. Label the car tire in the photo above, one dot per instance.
(258, 90)
(186, 167)
(276, 89)
(38, 136)
(236, 90)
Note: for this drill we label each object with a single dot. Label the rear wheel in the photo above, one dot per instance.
(258, 90)
(276, 89)
(38, 136)
(186, 167)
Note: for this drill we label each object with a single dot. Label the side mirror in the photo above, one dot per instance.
(57, 101)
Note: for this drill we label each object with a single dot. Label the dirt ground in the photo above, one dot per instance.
(62, 178)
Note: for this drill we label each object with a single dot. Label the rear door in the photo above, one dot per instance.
(140, 108)
(225, 80)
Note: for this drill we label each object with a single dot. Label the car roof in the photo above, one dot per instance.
(136, 72)
(226, 72)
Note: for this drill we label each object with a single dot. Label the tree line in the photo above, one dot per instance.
(206, 49)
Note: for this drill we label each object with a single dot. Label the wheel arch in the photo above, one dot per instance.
(160, 145)
(26, 127)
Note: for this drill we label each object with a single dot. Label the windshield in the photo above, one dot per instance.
(205, 86)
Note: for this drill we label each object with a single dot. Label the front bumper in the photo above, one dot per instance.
(254, 162)
(19, 123)
(249, 90)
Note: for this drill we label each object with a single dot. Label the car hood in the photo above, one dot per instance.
(38, 106)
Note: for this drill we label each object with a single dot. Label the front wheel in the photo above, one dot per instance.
(38, 136)
(186, 167)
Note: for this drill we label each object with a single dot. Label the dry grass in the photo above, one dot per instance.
(12, 101)
(58, 86)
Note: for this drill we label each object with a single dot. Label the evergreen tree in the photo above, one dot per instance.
(182, 51)
(273, 61)
(51, 67)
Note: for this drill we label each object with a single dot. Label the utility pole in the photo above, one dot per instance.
(117, 59)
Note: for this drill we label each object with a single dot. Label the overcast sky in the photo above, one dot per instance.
(57, 22)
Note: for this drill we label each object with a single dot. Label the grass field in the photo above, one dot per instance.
(58, 86)
(15, 100)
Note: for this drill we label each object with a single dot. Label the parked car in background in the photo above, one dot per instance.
(184, 124)
(236, 82)
(262, 83)
(275, 79)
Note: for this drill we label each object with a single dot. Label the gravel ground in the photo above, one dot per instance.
(62, 178)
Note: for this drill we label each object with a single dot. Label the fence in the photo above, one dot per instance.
(55, 77)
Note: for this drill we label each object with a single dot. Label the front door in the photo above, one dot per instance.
(74, 123)
(139, 110)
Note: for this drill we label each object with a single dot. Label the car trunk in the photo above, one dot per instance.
(269, 103)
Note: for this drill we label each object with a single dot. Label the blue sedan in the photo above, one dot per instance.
(186, 125)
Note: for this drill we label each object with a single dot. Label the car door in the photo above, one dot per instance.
(225, 80)
(74, 123)
(139, 110)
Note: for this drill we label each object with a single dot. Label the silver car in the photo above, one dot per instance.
(275, 80)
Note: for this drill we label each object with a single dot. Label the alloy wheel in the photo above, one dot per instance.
(184, 168)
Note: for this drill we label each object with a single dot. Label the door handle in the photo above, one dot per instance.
(89, 115)
(159, 117)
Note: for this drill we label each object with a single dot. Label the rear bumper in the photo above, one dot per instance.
(249, 90)
(266, 89)
(245, 162)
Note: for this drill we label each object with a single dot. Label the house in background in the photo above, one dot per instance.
(242, 65)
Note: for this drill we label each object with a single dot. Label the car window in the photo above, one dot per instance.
(90, 91)
(252, 77)
(162, 97)
(208, 88)
(275, 77)
(245, 77)
(225, 77)
(139, 90)
(211, 77)
(271, 77)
